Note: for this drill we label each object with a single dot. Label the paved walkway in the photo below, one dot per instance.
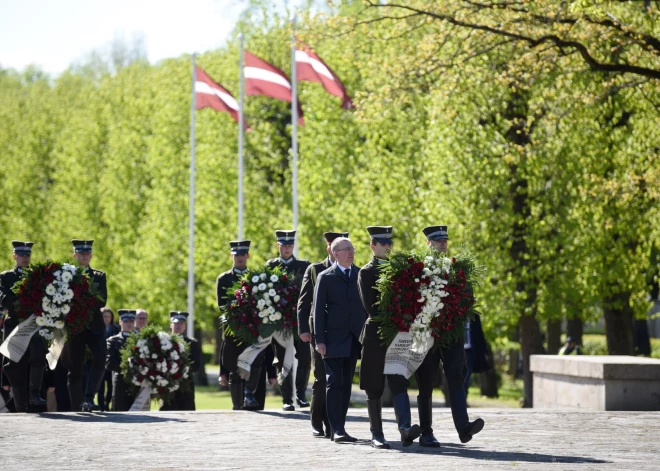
(226, 440)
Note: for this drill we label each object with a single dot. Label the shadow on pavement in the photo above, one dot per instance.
(115, 417)
(304, 415)
(463, 451)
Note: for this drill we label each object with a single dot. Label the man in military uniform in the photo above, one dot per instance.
(122, 399)
(251, 394)
(453, 362)
(286, 240)
(26, 375)
(372, 379)
(180, 399)
(317, 411)
(93, 337)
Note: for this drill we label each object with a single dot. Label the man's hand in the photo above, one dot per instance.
(222, 380)
(306, 337)
(320, 347)
(6, 387)
(272, 381)
(51, 389)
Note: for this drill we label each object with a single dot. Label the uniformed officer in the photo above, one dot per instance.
(180, 399)
(453, 362)
(372, 379)
(93, 337)
(122, 399)
(317, 411)
(286, 240)
(250, 395)
(26, 375)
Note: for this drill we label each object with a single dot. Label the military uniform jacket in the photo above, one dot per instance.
(121, 398)
(99, 278)
(373, 351)
(8, 297)
(306, 298)
(185, 400)
(295, 267)
(229, 350)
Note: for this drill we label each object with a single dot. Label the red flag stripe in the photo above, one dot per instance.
(210, 94)
(311, 68)
(227, 99)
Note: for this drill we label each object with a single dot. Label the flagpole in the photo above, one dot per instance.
(241, 121)
(294, 130)
(191, 216)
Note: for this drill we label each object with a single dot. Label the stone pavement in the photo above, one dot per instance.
(227, 440)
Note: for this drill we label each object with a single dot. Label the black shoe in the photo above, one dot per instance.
(471, 429)
(36, 400)
(318, 432)
(402, 412)
(288, 407)
(343, 438)
(302, 401)
(379, 442)
(249, 402)
(90, 407)
(328, 433)
(427, 439)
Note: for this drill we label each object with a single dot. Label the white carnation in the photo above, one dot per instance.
(262, 276)
(40, 322)
(273, 278)
(255, 279)
(262, 286)
(50, 290)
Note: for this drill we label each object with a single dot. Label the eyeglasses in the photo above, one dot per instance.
(346, 249)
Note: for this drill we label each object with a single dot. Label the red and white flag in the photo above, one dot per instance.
(262, 78)
(211, 94)
(311, 68)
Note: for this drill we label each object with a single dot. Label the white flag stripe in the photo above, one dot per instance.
(302, 56)
(266, 75)
(203, 87)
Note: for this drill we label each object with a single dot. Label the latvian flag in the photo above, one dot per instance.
(311, 68)
(262, 78)
(211, 94)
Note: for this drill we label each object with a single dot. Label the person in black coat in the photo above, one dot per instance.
(250, 394)
(288, 262)
(317, 412)
(93, 337)
(122, 399)
(476, 351)
(105, 391)
(26, 375)
(453, 362)
(338, 320)
(372, 379)
(180, 399)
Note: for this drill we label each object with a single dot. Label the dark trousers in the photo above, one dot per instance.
(453, 362)
(122, 399)
(256, 384)
(17, 372)
(181, 400)
(317, 410)
(469, 359)
(339, 381)
(105, 391)
(304, 357)
(75, 349)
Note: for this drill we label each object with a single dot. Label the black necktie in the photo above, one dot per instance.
(348, 273)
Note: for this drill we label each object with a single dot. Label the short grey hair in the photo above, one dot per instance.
(337, 241)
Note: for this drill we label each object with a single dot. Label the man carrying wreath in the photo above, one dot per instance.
(122, 399)
(372, 379)
(453, 362)
(34, 359)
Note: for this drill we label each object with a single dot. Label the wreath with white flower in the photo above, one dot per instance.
(60, 295)
(156, 359)
(262, 303)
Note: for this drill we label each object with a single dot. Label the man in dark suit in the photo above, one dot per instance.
(122, 399)
(372, 379)
(250, 395)
(93, 337)
(180, 399)
(286, 240)
(453, 362)
(317, 411)
(26, 375)
(338, 320)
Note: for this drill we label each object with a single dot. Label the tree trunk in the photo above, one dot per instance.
(619, 324)
(530, 342)
(575, 329)
(553, 336)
